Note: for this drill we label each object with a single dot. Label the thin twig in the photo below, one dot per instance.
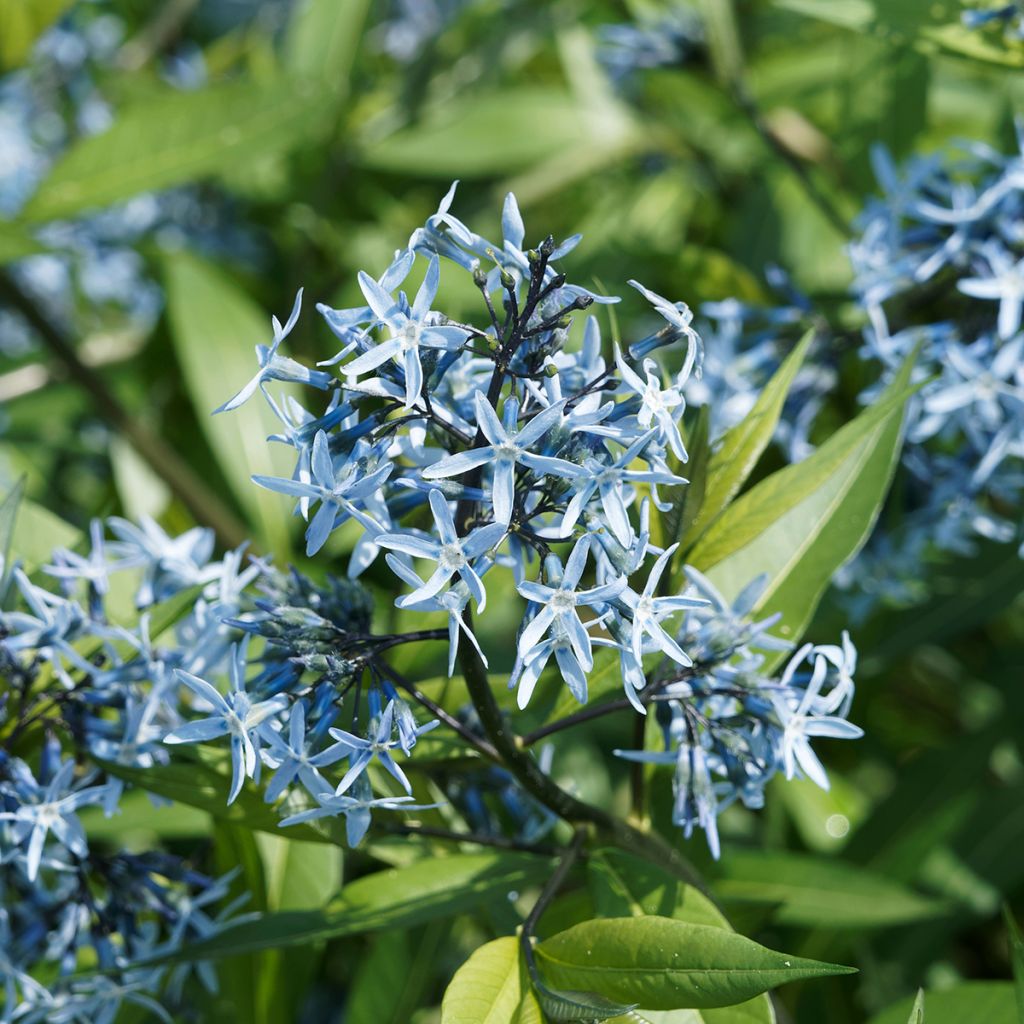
(162, 458)
(478, 743)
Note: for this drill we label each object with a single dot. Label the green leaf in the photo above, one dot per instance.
(8, 516)
(299, 875)
(480, 134)
(666, 965)
(201, 777)
(487, 988)
(21, 23)
(818, 891)
(801, 524)
(377, 995)
(917, 1011)
(172, 137)
(735, 458)
(1017, 958)
(990, 1001)
(322, 42)
(400, 897)
(14, 243)
(623, 885)
(926, 26)
(35, 534)
(627, 886)
(214, 327)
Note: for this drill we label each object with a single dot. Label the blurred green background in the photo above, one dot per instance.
(172, 172)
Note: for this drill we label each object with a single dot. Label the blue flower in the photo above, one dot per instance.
(378, 744)
(662, 406)
(803, 715)
(646, 611)
(612, 480)
(294, 758)
(1005, 284)
(42, 810)
(276, 367)
(562, 602)
(454, 555)
(508, 448)
(236, 716)
(337, 489)
(357, 809)
(409, 329)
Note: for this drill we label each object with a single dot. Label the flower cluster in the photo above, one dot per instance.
(507, 455)
(511, 450)
(940, 265)
(1010, 17)
(729, 726)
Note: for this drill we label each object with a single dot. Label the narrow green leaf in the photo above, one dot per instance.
(814, 891)
(917, 1012)
(172, 137)
(201, 777)
(299, 875)
(735, 458)
(666, 965)
(427, 889)
(377, 994)
(627, 886)
(804, 522)
(521, 125)
(35, 534)
(1017, 957)
(8, 517)
(487, 988)
(992, 1002)
(322, 42)
(214, 327)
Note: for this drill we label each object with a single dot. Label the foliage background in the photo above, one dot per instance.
(290, 148)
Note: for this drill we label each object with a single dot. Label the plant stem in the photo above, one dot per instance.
(164, 460)
(529, 775)
(548, 893)
(476, 742)
(588, 714)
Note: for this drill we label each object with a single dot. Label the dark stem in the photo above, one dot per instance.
(648, 694)
(529, 775)
(204, 505)
(548, 893)
(476, 742)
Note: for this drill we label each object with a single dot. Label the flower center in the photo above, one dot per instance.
(563, 601)
(452, 556)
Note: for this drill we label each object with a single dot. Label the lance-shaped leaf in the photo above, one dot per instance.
(801, 524)
(214, 327)
(172, 137)
(623, 885)
(201, 777)
(813, 891)
(488, 988)
(665, 964)
(735, 458)
(427, 889)
(990, 1001)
